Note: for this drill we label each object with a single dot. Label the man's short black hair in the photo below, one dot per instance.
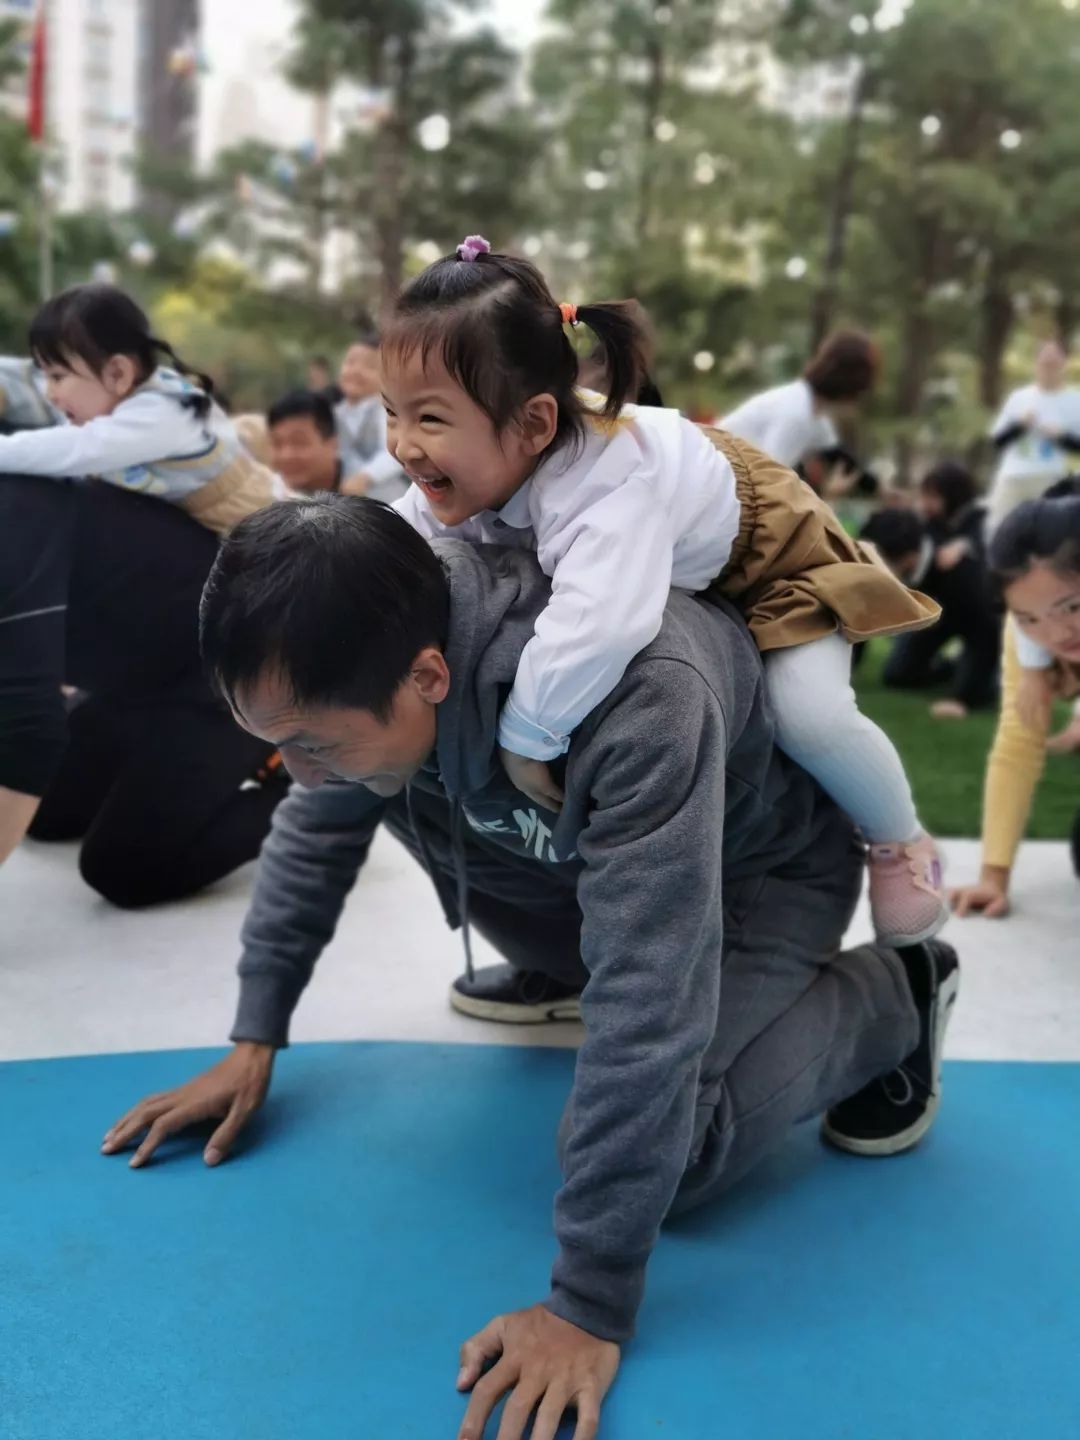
(298, 403)
(895, 532)
(337, 594)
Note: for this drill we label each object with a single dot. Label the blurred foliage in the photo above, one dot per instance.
(741, 166)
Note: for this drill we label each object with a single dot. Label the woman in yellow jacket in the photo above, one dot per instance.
(1036, 557)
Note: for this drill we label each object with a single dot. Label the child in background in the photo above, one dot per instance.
(133, 422)
(621, 503)
(368, 466)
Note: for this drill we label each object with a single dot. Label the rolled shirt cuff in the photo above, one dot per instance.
(523, 736)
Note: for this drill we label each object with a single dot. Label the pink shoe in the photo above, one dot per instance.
(907, 898)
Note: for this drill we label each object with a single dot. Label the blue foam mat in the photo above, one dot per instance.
(399, 1197)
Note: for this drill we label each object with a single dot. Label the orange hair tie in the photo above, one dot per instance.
(568, 313)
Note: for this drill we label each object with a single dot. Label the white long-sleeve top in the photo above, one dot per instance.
(648, 504)
(783, 422)
(361, 428)
(151, 443)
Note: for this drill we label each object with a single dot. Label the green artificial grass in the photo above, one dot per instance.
(946, 759)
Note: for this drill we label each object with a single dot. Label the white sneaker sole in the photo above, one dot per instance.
(905, 1140)
(504, 1013)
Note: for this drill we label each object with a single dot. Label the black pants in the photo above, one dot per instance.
(153, 791)
(915, 661)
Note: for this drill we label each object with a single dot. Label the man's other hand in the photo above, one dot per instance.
(546, 1365)
(230, 1091)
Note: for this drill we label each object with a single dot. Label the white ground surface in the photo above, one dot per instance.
(77, 977)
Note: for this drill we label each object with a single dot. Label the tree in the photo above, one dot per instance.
(968, 166)
(18, 181)
(657, 181)
(413, 62)
(842, 33)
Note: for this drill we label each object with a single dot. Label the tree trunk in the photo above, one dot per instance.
(1065, 320)
(919, 343)
(917, 348)
(320, 228)
(391, 150)
(824, 306)
(653, 100)
(996, 325)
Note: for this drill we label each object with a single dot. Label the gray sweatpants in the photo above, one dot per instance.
(801, 1024)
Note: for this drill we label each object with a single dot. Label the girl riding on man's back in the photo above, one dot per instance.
(137, 423)
(621, 503)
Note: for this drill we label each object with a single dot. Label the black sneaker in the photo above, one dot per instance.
(515, 997)
(894, 1112)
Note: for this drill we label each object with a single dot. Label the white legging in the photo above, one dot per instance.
(818, 723)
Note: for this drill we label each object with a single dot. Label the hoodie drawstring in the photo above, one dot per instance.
(461, 873)
(456, 907)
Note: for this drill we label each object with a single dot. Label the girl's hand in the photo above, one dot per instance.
(990, 897)
(950, 555)
(533, 778)
(1034, 700)
(357, 484)
(1067, 741)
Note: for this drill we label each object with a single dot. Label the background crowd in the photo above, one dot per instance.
(755, 175)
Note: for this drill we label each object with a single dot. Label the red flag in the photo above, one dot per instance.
(35, 116)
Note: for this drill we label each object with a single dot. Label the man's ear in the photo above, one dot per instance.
(120, 376)
(538, 421)
(431, 675)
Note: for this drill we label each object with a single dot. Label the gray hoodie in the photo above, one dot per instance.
(672, 786)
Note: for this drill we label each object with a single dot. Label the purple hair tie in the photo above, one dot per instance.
(472, 247)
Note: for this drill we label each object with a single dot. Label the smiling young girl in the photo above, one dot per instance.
(621, 503)
(137, 423)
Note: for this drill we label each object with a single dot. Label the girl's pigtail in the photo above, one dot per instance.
(200, 404)
(624, 348)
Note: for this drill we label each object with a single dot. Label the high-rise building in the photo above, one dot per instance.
(13, 92)
(168, 109)
(92, 100)
(119, 74)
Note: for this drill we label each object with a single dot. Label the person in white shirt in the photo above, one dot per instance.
(138, 424)
(369, 467)
(621, 503)
(1038, 435)
(795, 421)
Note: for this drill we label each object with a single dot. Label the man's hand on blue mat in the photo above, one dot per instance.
(230, 1091)
(546, 1365)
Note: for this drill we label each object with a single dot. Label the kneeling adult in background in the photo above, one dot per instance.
(304, 443)
(99, 589)
(943, 556)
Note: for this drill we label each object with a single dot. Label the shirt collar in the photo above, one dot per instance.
(515, 512)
